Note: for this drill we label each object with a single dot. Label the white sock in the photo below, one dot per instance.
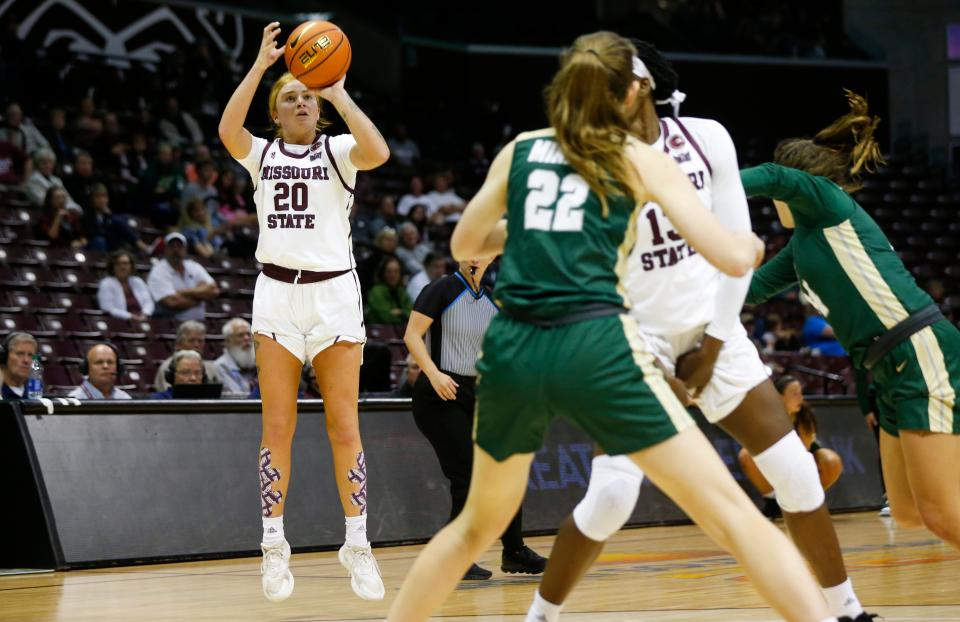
(842, 601)
(542, 610)
(356, 530)
(272, 529)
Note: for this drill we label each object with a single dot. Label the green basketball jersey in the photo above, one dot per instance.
(844, 263)
(561, 253)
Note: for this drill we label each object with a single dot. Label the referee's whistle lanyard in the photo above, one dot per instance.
(470, 281)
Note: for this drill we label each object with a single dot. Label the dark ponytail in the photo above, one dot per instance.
(663, 73)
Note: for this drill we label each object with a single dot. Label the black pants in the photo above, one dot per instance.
(448, 425)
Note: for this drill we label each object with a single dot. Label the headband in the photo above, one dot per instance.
(676, 98)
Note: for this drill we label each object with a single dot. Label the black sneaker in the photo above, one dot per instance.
(476, 573)
(524, 561)
(863, 617)
(771, 509)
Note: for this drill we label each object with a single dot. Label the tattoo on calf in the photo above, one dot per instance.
(358, 475)
(268, 474)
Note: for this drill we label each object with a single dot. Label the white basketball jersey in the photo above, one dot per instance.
(672, 288)
(303, 195)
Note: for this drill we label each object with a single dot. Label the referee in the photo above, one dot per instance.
(454, 312)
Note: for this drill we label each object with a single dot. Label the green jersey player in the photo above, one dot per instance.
(852, 275)
(563, 346)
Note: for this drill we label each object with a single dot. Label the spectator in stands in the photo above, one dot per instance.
(237, 366)
(57, 137)
(43, 178)
(417, 216)
(388, 301)
(191, 335)
(21, 132)
(122, 293)
(403, 150)
(477, 166)
(829, 464)
(416, 196)
(818, 336)
(938, 292)
(129, 164)
(195, 225)
(57, 223)
(204, 188)
(188, 368)
(180, 286)
(87, 126)
(384, 246)
(162, 184)
(16, 357)
(411, 251)
(83, 179)
(106, 231)
(434, 265)
(101, 372)
(15, 166)
(385, 217)
(411, 371)
(444, 201)
(779, 338)
(178, 127)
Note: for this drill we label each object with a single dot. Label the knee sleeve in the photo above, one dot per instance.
(792, 472)
(611, 495)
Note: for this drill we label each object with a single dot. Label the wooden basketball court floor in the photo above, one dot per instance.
(654, 574)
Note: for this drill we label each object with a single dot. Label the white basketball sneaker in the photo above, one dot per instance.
(364, 572)
(275, 571)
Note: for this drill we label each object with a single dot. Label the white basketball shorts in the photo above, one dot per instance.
(738, 369)
(307, 319)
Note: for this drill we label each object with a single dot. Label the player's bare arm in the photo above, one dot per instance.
(481, 231)
(234, 136)
(371, 149)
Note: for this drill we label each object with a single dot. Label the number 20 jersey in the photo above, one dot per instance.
(303, 195)
(672, 288)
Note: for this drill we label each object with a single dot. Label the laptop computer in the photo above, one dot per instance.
(197, 391)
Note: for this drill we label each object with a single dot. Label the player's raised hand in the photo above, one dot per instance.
(269, 51)
(331, 92)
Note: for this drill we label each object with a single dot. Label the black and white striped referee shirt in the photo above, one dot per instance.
(460, 319)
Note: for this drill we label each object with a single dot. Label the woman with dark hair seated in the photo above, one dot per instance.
(122, 293)
(388, 301)
(829, 463)
(57, 223)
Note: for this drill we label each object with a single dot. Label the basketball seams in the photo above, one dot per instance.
(325, 58)
(313, 38)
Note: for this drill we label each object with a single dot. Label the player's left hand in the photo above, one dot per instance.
(695, 368)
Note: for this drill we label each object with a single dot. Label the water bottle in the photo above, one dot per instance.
(35, 382)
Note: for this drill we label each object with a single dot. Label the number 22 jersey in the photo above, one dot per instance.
(303, 195)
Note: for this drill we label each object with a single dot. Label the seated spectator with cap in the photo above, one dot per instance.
(16, 357)
(237, 365)
(101, 369)
(180, 286)
(191, 335)
(122, 293)
(186, 368)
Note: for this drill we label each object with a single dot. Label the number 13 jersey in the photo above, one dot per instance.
(672, 288)
(303, 195)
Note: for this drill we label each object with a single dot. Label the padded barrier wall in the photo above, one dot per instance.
(147, 480)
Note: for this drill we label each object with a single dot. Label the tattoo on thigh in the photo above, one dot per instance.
(268, 475)
(358, 475)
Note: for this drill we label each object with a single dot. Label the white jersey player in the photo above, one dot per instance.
(306, 306)
(689, 313)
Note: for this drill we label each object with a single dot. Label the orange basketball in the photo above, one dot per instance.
(317, 53)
